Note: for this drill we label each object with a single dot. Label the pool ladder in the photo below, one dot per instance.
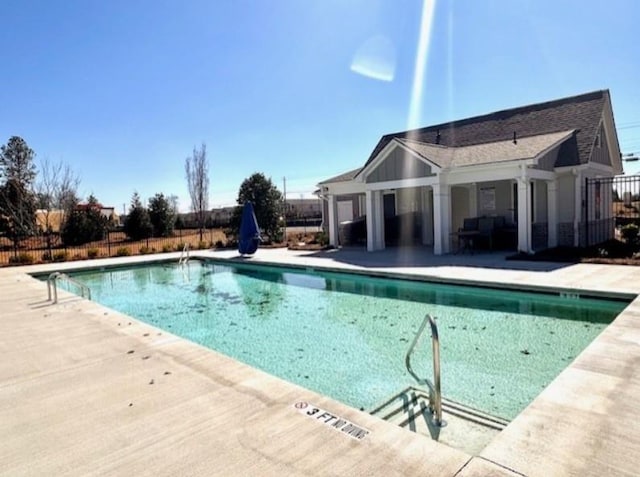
(52, 282)
(435, 392)
(184, 255)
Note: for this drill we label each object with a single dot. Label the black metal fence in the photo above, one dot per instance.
(610, 203)
(43, 247)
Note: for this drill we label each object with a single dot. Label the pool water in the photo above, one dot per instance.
(346, 336)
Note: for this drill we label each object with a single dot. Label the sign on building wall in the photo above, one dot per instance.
(488, 198)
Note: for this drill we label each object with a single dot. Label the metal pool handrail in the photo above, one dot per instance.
(435, 392)
(184, 255)
(52, 283)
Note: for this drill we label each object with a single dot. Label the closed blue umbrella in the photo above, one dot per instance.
(249, 231)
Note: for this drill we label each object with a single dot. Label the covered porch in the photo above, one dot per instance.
(417, 194)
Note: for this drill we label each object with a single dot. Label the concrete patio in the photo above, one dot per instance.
(85, 390)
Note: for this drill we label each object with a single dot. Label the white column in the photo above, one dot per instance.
(473, 200)
(375, 232)
(441, 218)
(524, 216)
(427, 217)
(370, 219)
(552, 214)
(333, 221)
(437, 222)
(577, 210)
(378, 212)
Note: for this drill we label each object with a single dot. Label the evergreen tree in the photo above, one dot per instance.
(162, 216)
(267, 204)
(137, 225)
(17, 199)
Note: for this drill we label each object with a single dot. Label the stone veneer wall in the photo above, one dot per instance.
(539, 236)
(565, 234)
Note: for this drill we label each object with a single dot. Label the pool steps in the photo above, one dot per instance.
(409, 402)
(467, 428)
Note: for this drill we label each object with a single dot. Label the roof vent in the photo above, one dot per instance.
(515, 140)
(438, 137)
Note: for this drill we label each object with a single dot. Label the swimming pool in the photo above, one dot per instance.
(346, 336)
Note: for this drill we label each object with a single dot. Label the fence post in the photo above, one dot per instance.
(109, 242)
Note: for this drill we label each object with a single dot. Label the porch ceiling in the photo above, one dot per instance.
(524, 148)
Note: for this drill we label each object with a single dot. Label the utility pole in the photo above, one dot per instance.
(284, 186)
(302, 214)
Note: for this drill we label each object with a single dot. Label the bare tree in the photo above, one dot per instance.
(197, 171)
(56, 192)
(173, 203)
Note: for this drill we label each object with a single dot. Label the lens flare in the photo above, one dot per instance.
(417, 90)
(375, 59)
(411, 198)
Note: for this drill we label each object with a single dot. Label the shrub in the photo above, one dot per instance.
(85, 225)
(166, 248)
(180, 246)
(77, 256)
(92, 253)
(322, 238)
(23, 258)
(60, 256)
(202, 245)
(46, 257)
(219, 244)
(630, 234)
(144, 250)
(123, 252)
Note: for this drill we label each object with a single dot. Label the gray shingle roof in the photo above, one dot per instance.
(581, 113)
(347, 176)
(487, 153)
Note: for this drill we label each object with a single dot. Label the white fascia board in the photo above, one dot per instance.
(386, 150)
(470, 175)
(382, 155)
(600, 168)
(343, 188)
(554, 145)
(584, 167)
(540, 174)
(434, 167)
(612, 137)
(403, 183)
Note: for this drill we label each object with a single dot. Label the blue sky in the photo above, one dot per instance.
(123, 90)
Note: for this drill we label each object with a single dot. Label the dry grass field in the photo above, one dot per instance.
(622, 210)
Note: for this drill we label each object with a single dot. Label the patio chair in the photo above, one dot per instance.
(469, 224)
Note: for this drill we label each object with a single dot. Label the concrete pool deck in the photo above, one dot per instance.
(85, 390)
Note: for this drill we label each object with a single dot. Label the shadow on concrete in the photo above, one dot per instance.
(421, 257)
